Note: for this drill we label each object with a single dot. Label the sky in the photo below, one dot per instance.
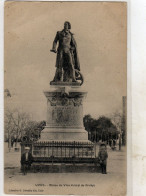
(99, 29)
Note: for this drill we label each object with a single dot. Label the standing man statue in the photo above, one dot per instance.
(67, 62)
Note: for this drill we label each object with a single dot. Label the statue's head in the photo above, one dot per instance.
(67, 25)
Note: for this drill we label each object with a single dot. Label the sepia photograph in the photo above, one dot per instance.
(65, 98)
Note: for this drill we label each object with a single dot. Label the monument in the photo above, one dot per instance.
(64, 139)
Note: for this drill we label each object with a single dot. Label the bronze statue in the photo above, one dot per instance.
(67, 61)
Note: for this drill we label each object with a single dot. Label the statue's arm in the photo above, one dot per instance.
(55, 43)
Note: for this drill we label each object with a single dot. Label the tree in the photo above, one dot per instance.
(101, 128)
(33, 130)
(116, 118)
(15, 123)
(106, 128)
(119, 121)
(88, 121)
(19, 126)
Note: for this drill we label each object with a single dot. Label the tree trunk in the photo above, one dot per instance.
(16, 141)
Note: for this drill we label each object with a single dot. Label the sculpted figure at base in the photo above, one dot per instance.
(67, 61)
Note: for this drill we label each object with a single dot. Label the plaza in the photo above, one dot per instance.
(83, 183)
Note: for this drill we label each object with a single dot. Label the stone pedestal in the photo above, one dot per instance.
(64, 139)
(64, 114)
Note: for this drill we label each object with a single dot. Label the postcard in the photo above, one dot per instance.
(65, 107)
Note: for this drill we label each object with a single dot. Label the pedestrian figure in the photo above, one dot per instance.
(103, 155)
(26, 160)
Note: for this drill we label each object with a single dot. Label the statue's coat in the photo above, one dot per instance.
(71, 43)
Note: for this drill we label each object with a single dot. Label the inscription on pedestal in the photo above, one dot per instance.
(65, 116)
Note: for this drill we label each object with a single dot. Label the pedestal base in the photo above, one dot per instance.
(66, 168)
(64, 134)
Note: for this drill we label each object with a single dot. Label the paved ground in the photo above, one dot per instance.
(114, 183)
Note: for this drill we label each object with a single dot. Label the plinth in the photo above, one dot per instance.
(64, 114)
(64, 139)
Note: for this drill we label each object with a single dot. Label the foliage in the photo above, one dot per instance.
(15, 123)
(18, 125)
(33, 130)
(100, 129)
(116, 118)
